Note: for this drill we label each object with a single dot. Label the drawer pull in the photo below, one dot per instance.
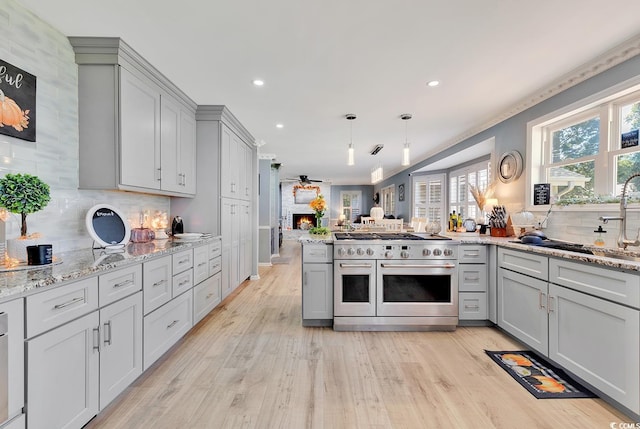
(183, 283)
(96, 338)
(202, 263)
(471, 307)
(471, 278)
(68, 303)
(124, 283)
(541, 299)
(158, 283)
(471, 253)
(209, 295)
(172, 324)
(184, 261)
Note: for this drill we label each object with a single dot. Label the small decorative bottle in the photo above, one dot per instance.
(599, 241)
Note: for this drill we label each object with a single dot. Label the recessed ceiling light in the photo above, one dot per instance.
(279, 126)
(433, 83)
(258, 82)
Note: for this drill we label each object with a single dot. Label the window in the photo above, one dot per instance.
(460, 199)
(387, 196)
(428, 197)
(351, 204)
(587, 153)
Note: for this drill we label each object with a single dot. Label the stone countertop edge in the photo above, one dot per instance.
(507, 242)
(84, 263)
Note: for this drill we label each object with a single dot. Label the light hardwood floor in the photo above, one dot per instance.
(250, 364)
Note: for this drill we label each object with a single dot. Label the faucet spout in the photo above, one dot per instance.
(623, 241)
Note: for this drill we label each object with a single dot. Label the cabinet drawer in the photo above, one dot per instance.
(206, 296)
(472, 278)
(165, 326)
(118, 284)
(472, 306)
(317, 253)
(525, 263)
(157, 283)
(215, 249)
(182, 261)
(215, 265)
(200, 264)
(472, 254)
(616, 286)
(49, 309)
(182, 282)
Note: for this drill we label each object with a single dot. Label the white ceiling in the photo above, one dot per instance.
(321, 60)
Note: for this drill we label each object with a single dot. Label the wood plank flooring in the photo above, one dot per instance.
(250, 364)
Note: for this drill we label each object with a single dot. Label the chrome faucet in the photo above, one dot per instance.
(623, 241)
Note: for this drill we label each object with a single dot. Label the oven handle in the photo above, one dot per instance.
(417, 266)
(355, 265)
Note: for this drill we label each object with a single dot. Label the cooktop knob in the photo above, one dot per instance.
(351, 251)
(370, 251)
(448, 252)
(437, 252)
(360, 251)
(404, 254)
(341, 252)
(426, 252)
(388, 254)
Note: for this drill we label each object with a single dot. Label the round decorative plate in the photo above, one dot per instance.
(510, 166)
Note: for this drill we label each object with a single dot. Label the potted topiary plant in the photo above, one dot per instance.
(22, 194)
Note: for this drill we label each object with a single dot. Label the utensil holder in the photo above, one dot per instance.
(498, 232)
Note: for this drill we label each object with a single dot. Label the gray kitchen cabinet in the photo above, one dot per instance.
(157, 283)
(230, 222)
(472, 282)
(317, 284)
(137, 129)
(236, 166)
(207, 291)
(14, 313)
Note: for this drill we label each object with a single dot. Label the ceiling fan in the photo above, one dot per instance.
(304, 180)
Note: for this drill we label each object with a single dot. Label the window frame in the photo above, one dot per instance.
(474, 168)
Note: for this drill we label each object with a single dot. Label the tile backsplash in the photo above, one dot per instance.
(36, 47)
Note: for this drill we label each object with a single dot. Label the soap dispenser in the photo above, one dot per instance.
(599, 241)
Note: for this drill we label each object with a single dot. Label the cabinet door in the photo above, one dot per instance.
(187, 168)
(598, 341)
(246, 171)
(206, 296)
(115, 285)
(522, 309)
(157, 284)
(62, 368)
(230, 245)
(317, 291)
(139, 132)
(472, 278)
(245, 248)
(15, 358)
(229, 163)
(121, 346)
(200, 264)
(170, 145)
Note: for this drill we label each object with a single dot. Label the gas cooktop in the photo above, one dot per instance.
(386, 236)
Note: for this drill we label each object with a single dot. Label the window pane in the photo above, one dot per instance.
(435, 192)
(453, 190)
(576, 141)
(572, 181)
(420, 193)
(630, 117)
(627, 165)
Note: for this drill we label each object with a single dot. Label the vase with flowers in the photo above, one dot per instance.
(319, 205)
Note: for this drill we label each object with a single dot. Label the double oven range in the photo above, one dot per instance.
(395, 281)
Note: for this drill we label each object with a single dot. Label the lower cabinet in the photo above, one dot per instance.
(12, 313)
(206, 295)
(165, 326)
(317, 284)
(62, 381)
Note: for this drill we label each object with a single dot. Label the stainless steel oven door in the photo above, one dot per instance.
(417, 288)
(354, 288)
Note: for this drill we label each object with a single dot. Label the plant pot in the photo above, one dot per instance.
(17, 247)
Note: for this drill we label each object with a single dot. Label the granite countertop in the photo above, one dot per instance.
(508, 242)
(77, 264)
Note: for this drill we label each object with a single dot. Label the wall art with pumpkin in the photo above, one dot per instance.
(17, 102)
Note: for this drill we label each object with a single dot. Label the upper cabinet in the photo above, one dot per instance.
(236, 166)
(137, 129)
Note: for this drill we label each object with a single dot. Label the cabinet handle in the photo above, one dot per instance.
(172, 324)
(184, 261)
(471, 253)
(471, 307)
(183, 283)
(96, 338)
(471, 278)
(124, 283)
(158, 283)
(68, 303)
(550, 304)
(541, 300)
(304, 280)
(107, 339)
(202, 263)
(209, 295)
(159, 176)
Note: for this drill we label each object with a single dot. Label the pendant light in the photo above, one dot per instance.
(405, 151)
(350, 152)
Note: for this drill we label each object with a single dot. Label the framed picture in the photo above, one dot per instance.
(401, 192)
(305, 194)
(18, 102)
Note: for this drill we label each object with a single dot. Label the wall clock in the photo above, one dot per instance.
(510, 166)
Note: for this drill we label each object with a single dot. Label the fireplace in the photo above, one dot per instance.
(303, 220)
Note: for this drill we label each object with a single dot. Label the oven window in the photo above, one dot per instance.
(355, 288)
(416, 288)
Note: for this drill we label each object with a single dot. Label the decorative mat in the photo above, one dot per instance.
(542, 379)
